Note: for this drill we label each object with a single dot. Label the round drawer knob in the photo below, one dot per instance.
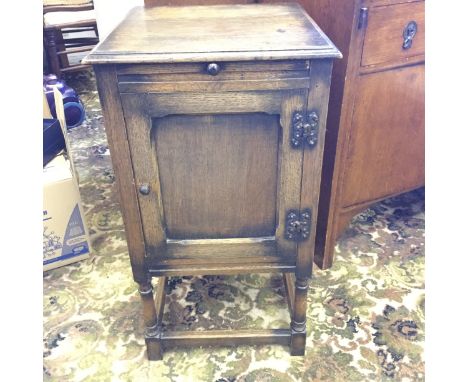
(144, 189)
(213, 69)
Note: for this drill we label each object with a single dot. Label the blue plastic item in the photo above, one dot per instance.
(73, 108)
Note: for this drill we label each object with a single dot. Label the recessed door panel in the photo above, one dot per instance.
(386, 147)
(218, 174)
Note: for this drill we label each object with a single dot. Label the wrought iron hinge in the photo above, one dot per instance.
(304, 130)
(298, 225)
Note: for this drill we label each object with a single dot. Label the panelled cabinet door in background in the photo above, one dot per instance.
(215, 118)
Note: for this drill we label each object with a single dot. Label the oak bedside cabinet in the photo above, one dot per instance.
(215, 117)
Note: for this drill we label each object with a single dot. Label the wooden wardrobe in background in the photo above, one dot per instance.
(374, 145)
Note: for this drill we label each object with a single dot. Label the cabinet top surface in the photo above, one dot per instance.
(220, 32)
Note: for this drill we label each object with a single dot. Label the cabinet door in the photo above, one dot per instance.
(386, 145)
(215, 172)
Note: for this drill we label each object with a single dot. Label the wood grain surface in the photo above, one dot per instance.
(374, 147)
(383, 41)
(219, 32)
(218, 174)
(384, 144)
(112, 111)
(209, 171)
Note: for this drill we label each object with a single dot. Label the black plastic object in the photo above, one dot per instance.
(53, 140)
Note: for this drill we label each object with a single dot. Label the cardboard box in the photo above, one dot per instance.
(66, 238)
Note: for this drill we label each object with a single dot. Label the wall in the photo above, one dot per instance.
(109, 13)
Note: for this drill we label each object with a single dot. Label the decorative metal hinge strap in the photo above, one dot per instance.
(298, 224)
(305, 129)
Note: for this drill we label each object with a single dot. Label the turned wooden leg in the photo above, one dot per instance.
(153, 327)
(51, 50)
(298, 322)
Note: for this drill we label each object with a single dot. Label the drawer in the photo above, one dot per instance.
(201, 68)
(384, 40)
(214, 76)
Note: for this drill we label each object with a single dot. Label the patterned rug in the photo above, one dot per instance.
(365, 315)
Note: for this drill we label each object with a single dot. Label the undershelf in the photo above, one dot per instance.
(218, 257)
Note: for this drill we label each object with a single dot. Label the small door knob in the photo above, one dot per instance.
(144, 189)
(213, 69)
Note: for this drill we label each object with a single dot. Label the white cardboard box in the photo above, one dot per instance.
(66, 238)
